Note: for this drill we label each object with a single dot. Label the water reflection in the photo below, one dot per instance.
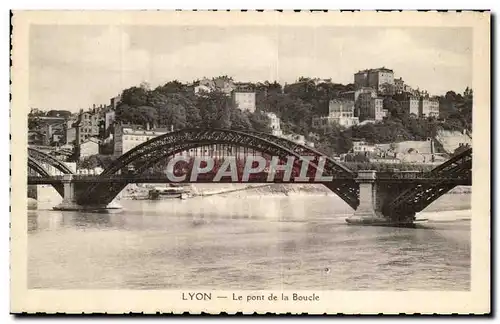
(94, 220)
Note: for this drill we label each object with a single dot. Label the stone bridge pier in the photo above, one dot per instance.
(71, 192)
(373, 196)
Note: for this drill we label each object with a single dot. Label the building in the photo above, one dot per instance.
(109, 119)
(381, 79)
(372, 92)
(89, 147)
(58, 138)
(244, 100)
(113, 102)
(370, 107)
(411, 105)
(411, 151)
(377, 109)
(408, 89)
(361, 79)
(126, 137)
(37, 138)
(71, 130)
(201, 90)
(428, 107)
(362, 147)
(86, 126)
(275, 124)
(51, 127)
(318, 81)
(340, 112)
(341, 108)
(224, 85)
(244, 86)
(210, 84)
(399, 85)
(349, 95)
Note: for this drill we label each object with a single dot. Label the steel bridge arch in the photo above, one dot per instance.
(417, 198)
(35, 160)
(42, 157)
(151, 152)
(35, 166)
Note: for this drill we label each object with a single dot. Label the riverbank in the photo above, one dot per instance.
(241, 190)
(244, 190)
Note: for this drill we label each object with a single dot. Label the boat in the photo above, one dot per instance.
(167, 193)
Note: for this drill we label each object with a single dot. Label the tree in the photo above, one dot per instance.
(240, 120)
(215, 110)
(172, 87)
(59, 113)
(394, 108)
(96, 161)
(135, 97)
(260, 122)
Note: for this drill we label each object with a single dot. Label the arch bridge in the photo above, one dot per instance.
(393, 197)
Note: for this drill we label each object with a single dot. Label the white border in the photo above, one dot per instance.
(80, 4)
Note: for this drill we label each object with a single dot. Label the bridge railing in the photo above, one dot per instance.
(208, 177)
(388, 167)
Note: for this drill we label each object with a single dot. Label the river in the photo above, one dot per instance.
(261, 242)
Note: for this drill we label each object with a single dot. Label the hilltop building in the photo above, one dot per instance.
(126, 137)
(411, 104)
(381, 79)
(428, 107)
(244, 99)
(340, 112)
(275, 124)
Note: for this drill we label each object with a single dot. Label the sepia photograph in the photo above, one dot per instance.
(250, 161)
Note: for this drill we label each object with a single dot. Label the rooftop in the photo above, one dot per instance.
(342, 101)
(382, 69)
(139, 128)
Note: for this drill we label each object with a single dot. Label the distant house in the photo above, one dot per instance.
(37, 138)
(89, 147)
(201, 90)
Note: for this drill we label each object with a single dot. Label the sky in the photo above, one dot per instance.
(73, 67)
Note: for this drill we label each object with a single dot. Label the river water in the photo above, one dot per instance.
(261, 242)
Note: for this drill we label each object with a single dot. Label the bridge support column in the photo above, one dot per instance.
(72, 191)
(69, 198)
(372, 197)
(366, 213)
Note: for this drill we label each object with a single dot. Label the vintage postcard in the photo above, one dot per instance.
(268, 162)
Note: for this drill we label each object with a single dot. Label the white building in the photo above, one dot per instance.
(363, 147)
(429, 107)
(129, 136)
(411, 105)
(201, 89)
(89, 147)
(340, 112)
(275, 124)
(244, 100)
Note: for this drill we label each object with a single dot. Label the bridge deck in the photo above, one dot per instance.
(421, 178)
